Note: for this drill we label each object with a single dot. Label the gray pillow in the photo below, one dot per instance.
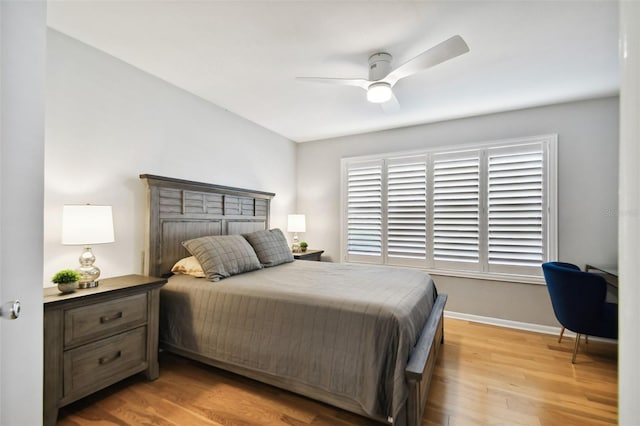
(271, 246)
(223, 255)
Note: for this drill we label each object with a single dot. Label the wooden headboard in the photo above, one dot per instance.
(178, 210)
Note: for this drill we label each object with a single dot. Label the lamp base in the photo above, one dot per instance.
(295, 247)
(90, 284)
(89, 273)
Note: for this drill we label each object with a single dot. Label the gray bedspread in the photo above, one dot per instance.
(343, 329)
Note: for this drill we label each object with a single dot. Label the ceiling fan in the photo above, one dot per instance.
(382, 78)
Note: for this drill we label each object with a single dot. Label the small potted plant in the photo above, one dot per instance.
(303, 246)
(67, 280)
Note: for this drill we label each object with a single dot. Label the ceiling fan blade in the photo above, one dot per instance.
(358, 82)
(391, 106)
(448, 49)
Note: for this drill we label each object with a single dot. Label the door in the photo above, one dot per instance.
(22, 72)
(629, 219)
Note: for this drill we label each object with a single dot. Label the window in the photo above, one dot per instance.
(456, 210)
(364, 211)
(516, 208)
(478, 210)
(407, 209)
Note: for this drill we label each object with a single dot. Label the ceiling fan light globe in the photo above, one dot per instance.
(378, 93)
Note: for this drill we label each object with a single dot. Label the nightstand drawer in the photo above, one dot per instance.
(102, 319)
(97, 365)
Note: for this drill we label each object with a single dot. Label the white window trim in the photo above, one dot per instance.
(551, 215)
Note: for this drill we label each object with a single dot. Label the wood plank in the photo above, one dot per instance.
(484, 375)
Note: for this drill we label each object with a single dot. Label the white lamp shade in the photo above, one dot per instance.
(87, 224)
(296, 223)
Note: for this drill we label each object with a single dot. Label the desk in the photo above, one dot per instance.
(610, 275)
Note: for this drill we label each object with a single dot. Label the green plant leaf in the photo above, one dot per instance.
(65, 276)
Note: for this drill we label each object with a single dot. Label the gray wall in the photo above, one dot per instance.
(108, 121)
(587, 192)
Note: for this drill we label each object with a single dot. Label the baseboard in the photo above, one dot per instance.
(537, 328)
(545, 329)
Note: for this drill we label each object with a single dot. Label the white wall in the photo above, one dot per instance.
(587, 191)
(22, 56)
(107, 122)
(629, 371)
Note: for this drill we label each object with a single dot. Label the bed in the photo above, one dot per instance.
(314, 328)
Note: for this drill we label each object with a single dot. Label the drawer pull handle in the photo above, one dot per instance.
(108, 359)
(114, 317)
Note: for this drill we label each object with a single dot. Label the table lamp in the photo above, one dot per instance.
(87, 225)
(296, 223)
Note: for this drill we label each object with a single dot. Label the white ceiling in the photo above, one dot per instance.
(244, 55)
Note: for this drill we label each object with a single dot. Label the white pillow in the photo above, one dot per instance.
(189, 266)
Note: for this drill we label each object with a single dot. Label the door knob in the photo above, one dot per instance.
(10, 310)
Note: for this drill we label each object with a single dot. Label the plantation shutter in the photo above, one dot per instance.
(364, 211)
(407, 210)
(456, 210)
(486, 210)
(516, 206)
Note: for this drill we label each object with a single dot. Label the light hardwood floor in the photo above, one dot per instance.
(485, 375)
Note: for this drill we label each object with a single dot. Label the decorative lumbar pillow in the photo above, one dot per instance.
(271, 246)
(189, 266)
(223, 255)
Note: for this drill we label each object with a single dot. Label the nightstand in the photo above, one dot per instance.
(309, 255)
(96, 337)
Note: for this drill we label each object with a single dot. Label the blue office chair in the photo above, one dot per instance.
(578, 300)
